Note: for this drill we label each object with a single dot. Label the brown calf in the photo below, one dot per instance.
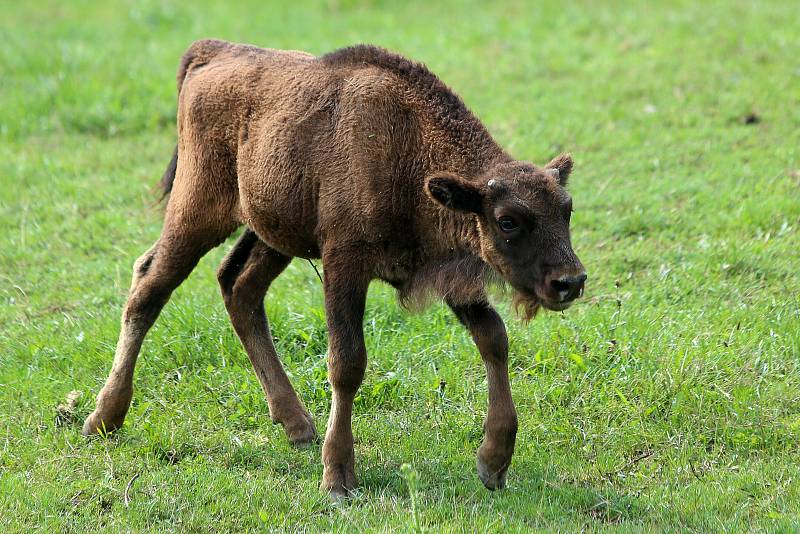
(367, 160)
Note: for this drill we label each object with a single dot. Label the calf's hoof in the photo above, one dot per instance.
(492, 474)
(338, 481)
(97, 423)
(112, 406)
(301, 431)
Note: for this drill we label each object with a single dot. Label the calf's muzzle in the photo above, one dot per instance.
(565, 288)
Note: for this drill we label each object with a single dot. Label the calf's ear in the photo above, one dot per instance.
(454, 192)
(560, 167)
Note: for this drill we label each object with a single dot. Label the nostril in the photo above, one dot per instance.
(569, 287)
(568, 282)
(562, 284)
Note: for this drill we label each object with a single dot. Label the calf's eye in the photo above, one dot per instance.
(507, 224)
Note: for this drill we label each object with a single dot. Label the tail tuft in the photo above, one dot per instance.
(169, 175)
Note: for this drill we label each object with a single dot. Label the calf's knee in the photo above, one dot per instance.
(346, 372)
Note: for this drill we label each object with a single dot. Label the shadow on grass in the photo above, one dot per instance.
(448, 482)
(442, 480)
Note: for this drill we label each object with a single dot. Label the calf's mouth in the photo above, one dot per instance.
(527, 303)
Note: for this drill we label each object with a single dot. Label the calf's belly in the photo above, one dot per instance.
(282, 223)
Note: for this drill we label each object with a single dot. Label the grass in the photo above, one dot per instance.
(668, 400)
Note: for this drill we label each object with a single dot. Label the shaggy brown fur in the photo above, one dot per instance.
(367, 160)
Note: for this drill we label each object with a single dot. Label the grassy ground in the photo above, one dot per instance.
(669, 399)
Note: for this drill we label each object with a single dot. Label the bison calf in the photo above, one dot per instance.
(367, 160)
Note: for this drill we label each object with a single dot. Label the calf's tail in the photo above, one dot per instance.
(169, 175)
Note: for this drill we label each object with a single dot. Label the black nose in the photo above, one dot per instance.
(569, 287)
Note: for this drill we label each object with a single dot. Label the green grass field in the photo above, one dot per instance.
(668, 399)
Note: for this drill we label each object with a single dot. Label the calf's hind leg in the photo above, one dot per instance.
(155, 275)
(193, 225)
(244, 277)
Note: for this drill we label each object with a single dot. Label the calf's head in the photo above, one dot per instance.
(523, 214)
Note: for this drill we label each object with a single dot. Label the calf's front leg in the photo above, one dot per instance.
(345, 296)
(500, 428)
